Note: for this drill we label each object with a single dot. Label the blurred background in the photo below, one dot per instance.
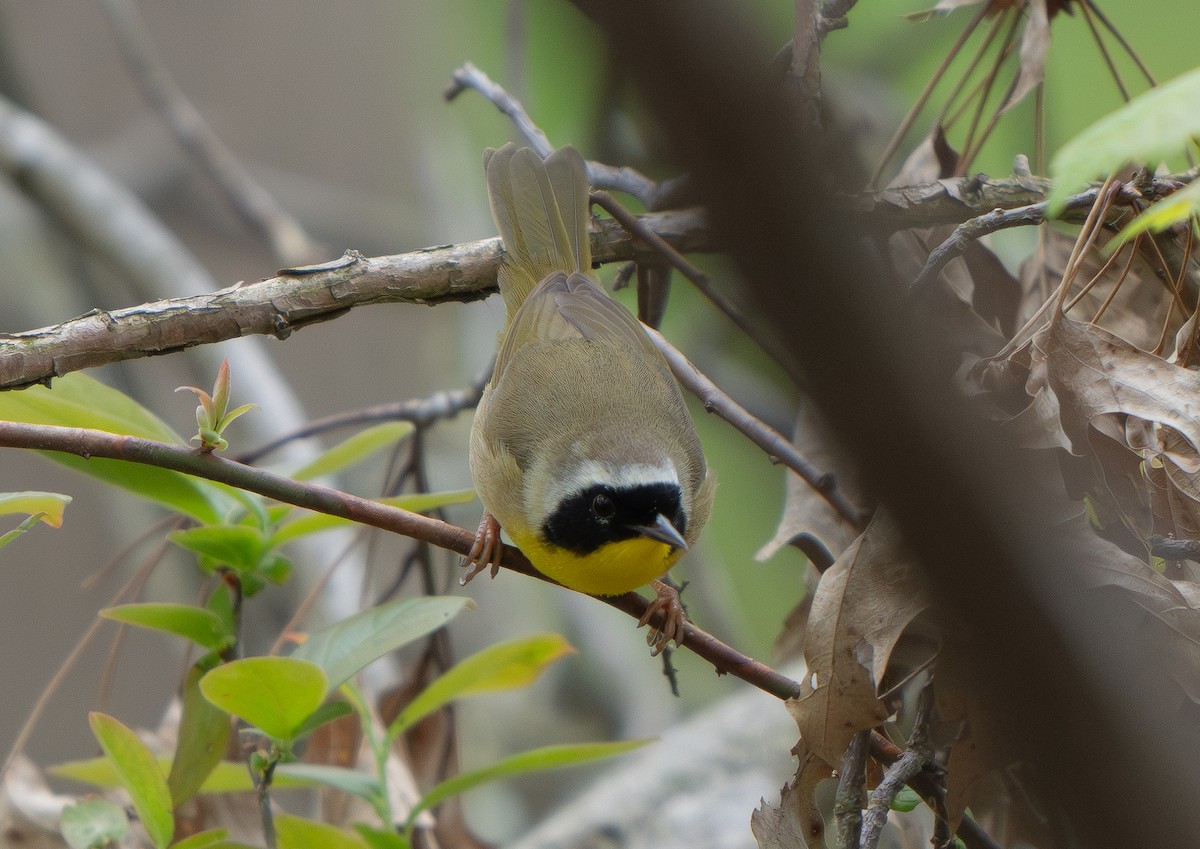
(337, 110)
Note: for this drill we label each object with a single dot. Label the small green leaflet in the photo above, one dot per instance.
(358, 447)
(140, 775)
(275, 694)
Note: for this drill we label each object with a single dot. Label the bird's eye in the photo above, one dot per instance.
(603, 507)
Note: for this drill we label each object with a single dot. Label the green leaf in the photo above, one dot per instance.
(140, 775)
(537, 760)
(378, 838)
(1152, 126)
(294, 832)
(906, 800)
(358, 447)
(274, 694)
(240, 546)
(346, 647)
(506, 666)
(1161, 214)
(328, 712)
(202, 627)
(93, 824)
(77, 400)
(203, 735)
(49, 505)
(202, 839)
(413, 502)
(350, 781)
(227, 777)
(20, 529)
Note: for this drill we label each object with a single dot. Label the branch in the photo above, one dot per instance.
(919, 753)
(248, 198)
(621, 179)
(301, 296)
(757, 431)
(94, 443)
(296, 298)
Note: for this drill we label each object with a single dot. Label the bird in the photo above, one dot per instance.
(582, 451)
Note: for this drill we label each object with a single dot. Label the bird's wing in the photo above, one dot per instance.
(574, 307)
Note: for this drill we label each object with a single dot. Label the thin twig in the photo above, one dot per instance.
(93, 443)
(1003, 219)
(621, 179)
(757, 431)
(246, 195)
(848, 803)
(919, 753)
(1175, 549)
(443, 404)
(698, 279)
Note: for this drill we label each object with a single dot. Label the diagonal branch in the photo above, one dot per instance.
(94, 443)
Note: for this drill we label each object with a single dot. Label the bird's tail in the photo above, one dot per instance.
(541, 210)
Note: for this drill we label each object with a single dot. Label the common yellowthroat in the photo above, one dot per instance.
(582, 450)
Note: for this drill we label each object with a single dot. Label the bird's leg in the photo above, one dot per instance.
(674, 618)
(487, 548)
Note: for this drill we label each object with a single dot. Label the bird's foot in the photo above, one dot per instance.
(487, 548)
(674, 619)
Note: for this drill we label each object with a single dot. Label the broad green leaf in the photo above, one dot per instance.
(506, 666)
(202, 627)
(1152, 126)
(358, 447)
(413, 502)
(350, 781)
(240, 546)
(328, 712)
(140, 775)
(93, 824)
(20, 529)
(77, 400)
(49, 504)
(345, 647)
(202, 839)
(228, 777)
(203, 735)
(293, 832)
(537, 760)
(1161, 214)
(274, 694)
(378, 838)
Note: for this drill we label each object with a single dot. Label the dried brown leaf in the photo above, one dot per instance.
(860, 610)
(1035, 44)
(1094, 373)
(795, 823)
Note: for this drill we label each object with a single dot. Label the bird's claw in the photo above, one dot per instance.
(674, 619)
(488, 548)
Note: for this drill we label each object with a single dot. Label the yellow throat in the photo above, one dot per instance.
(613, 569)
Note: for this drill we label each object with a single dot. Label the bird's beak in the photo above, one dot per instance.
(663, 531)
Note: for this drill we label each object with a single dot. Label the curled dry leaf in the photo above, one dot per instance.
(795, 823)
(859, 612)
(1094, 373)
